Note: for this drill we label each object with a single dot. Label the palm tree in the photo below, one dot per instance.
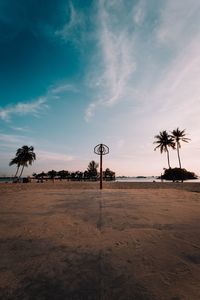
(164, 141)
(27, 156)
(178, 136)
(15, 161)
(24, 156)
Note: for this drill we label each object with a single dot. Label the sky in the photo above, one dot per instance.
(76, 73)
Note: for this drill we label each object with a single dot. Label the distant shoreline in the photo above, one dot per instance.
(128, 179)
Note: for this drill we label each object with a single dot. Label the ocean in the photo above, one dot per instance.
(6, 179)
(147, 179)
(118, 179)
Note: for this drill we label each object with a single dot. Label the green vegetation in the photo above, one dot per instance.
(164, 142)
(108, 175)
(178, 136)
(24, 157)
(178, 174)
(92, 170)
(91, 174)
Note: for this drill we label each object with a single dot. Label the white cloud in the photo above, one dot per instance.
(179, 90)
(166, 92)
(9, 138)
(33, 108)
(75, 23)
(179, 21)
(117, 60)
(139, 13)
(21, 129)
(14, 141)
(61, 88)
(90, 110)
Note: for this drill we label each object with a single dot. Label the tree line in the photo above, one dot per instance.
(87, 175)
(25, 156)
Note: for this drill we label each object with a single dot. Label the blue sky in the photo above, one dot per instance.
(74, 74)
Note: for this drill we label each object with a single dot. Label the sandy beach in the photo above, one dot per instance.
(69, 240)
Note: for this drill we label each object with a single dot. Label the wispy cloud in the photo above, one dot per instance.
(178, 93)
(139, 13)
(117, 59)
(73, 25)
(10, 138)
(31, 108)
(12, 142)
(177, 90)
(37, 107)
(179, 21)
(20, 129)
(62, 88)
(165, 74)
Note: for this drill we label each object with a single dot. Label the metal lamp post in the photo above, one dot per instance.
(101, 150)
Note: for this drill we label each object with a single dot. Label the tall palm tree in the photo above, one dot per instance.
(24, 157)
(15, 161)
(27, 156)
(178, 137)
(164, 141)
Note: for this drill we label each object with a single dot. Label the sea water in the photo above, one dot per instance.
(6, 179)
(148, 179)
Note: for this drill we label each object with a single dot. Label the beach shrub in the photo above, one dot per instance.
(92, 172)
(52, 174)
(63, 174)
(178, 174)
(108, 175)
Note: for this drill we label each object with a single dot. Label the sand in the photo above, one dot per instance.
(71, 241)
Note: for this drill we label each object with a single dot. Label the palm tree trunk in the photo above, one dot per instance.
(178, 156)
(16, 171)
(22, 171)
(168, 159)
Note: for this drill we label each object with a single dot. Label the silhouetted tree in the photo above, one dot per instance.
(52, 174)
(108, 174)
(15, 161)
(63, 174)
(178, 137)
(177, 174)
(86, 175)
(92, 170)
(24, 157)
(164, 141)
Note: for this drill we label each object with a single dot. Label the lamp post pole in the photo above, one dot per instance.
(101, 172)
(101, 150)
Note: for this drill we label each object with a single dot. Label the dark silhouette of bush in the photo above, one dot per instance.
(108, 175)
(178, 174)
(91, 174)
